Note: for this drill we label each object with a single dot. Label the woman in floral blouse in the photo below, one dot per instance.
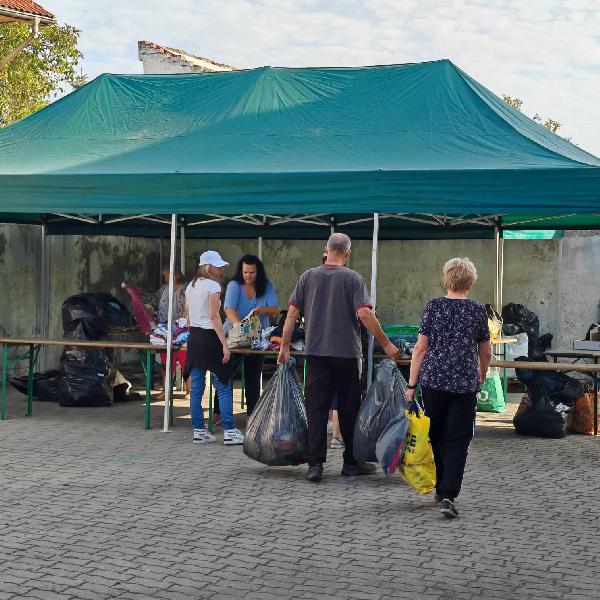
(449, 362)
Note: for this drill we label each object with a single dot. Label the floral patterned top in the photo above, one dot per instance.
(455, 328)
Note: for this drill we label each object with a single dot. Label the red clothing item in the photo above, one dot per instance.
(179, 356)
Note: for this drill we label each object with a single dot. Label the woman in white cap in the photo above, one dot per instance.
(207, 349)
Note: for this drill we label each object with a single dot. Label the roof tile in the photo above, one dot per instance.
(26, 6)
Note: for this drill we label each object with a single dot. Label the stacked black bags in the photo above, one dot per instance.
(544, 409)
(386, 398)
(88, 373)
(277, 433)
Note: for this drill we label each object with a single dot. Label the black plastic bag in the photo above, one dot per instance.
(541, 417)
(49, 389)
(526, 321)
(558, 387)
(386, 399)
(101, 312)
(42, 384)
(88, 378)
(277, 432)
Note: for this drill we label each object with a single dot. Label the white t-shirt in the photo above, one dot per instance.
(197, 301)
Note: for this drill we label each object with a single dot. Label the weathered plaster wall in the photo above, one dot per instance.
(409, 273)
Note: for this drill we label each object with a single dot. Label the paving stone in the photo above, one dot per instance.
(96, 508)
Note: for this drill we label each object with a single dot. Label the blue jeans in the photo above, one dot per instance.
(224, 392)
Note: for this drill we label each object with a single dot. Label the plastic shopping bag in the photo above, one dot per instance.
(491, 396)
(392, 444)
(385, 400)
(418, 466)
(277, 431)
(244, 333)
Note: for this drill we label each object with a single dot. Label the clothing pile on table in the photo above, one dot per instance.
(270, 337)
(181, 333)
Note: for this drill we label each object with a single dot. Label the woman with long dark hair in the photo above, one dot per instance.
(207, 349)
(251, 292)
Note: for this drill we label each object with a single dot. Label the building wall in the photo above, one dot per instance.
(564, 294)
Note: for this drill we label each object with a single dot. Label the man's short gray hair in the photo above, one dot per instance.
(338, 243)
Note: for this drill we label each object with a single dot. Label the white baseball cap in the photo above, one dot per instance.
(212, 257)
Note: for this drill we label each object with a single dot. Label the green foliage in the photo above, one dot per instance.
(40, 72)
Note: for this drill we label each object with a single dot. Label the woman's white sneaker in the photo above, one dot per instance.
(233, 437)
(203, 436)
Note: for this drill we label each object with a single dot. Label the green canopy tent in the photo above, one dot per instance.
(422, 148)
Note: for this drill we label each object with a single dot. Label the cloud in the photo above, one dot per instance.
(546, 52)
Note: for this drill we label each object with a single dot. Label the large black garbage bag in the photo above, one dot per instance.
(277, 433)
(100, 311)
(87, 379)
(42, 383)
(526, 321)
(558, 387)
(541, 417)
(49, 389)
(386, 399)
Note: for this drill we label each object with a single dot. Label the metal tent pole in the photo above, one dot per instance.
(182, 250)
(497, 276)
(260, 247)
(44, 297)
(501, 273)
(168, 386)
(373, 292)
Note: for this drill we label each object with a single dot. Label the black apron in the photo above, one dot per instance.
(205, 351)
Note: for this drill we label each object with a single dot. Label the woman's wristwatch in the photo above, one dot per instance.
(411, 387)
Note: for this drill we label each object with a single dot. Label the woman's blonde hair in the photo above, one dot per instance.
(203, 272)
(459, 274)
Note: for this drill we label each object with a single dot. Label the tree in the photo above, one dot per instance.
(517, 103)
(42, 71)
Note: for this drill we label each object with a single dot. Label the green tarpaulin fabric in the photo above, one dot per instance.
(414, 138)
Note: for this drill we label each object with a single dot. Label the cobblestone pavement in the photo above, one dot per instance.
(94, 507)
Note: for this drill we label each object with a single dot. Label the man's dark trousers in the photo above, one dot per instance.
(326, 376)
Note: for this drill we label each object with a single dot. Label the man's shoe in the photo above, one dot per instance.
(360, 468)
(315, 473)
(448, 509)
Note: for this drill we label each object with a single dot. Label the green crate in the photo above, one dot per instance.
(401, 329)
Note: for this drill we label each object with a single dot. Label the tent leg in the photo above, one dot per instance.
(168, 387)
(260, 247)
(497, 273)
(182, 250)
(44, 297)
(501, 274)
(373, 292)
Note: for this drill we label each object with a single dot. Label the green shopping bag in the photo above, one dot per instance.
(491, 396)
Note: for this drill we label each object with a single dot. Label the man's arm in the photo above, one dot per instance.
(286, 336)
(370, 321)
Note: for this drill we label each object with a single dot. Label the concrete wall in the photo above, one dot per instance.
(409, 274)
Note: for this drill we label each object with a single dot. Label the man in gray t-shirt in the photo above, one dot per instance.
(333, 298)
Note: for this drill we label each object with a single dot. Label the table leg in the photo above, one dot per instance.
(595, 403)
(211, 425)
(304, 373)
(148, 386)
(4, 378)
(243, 400)
(505, 380)
(30, 381)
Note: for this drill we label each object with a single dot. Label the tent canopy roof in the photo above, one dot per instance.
(414, 139)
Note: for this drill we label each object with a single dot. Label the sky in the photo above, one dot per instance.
(546, 52)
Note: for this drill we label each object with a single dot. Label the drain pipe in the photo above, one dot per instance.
(35, 30)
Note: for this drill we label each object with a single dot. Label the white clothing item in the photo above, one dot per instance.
(197, 301)
(212, 257)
